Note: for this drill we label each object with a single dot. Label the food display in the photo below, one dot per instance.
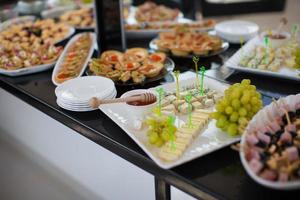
(271, 144)
(82, 18)
(74, 58)
(150, 12)
(33, 34)
(135, 65)
(183, 42)
(271, 59)
(240, 103)
(266, 56)
(151, 26)
(172, 139)
(19, 57)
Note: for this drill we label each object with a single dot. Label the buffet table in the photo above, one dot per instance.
(218, 175)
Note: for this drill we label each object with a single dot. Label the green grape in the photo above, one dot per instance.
(254, 101)
(258, 95)
(159, 142)
(236, 93)
(252, 87)
(165, 135)
(248, 107)
(245, 99)
(243, 121)
(225, 102)
(215, 115)
(242, 112)
(234, 117)
(220, 108)
(246, 82)
(235, 104)
(220, 123)
(153, 137)
(228, 110)
(232, 129)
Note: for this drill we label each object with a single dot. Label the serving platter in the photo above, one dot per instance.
(224, 47)
(259, 120)
(29, 18)
(65, 52)
(168, 67)
(283, 72)
(210, 140)
(27, 70)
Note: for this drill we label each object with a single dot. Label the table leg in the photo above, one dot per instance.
(162, 190)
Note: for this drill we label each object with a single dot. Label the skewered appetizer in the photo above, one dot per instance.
(150, 12)
(170, 25)
(135, 64)
(271, 59)
(74, 59)
(33, 34)
(182, 42)
(19, 57)
(272, 150)
(82, 18)
(172, 105)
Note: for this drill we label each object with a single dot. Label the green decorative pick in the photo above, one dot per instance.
(188, 99)
(177, 73)
(202, 81)
(295, 31)
(196, 60)
(160, 91)
(267, 43)
(242, 42)
(171, 121)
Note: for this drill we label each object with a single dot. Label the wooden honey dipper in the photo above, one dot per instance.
(146, 98)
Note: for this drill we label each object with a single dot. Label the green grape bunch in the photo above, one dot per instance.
(161, 130)
(239, 104)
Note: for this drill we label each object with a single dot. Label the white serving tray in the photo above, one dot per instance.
(261, 119)
(211, 139)
(284, 72)
(62, 56)
(27, 70)
(30, 18)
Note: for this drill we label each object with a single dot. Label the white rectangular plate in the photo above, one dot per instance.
(211, 138)
(283, 72)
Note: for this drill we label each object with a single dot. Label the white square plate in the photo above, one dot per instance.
(233, 63)
(211, 138)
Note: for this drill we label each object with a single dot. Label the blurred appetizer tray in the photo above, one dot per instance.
(283, 72)
(210, 139)
(21, 20)
(66, 64)
(27, 70)
(168, 67)
(224, 47)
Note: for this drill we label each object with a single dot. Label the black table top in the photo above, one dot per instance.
(219, 174)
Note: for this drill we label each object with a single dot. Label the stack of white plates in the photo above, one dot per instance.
(74, 94)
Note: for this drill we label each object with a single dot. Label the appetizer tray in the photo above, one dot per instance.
(27, 70)
(21, 20)
(211, 138)
(283, 72)
(168, 67)
(224, 47)
(63, 58)
(265, 119)
(149, 33)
